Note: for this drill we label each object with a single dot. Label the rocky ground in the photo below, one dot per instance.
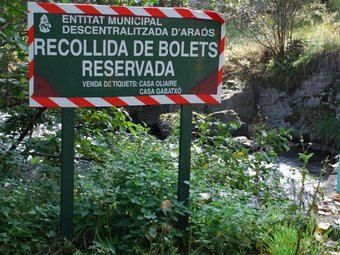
(328, 209)
(328, 203)
(328, 213)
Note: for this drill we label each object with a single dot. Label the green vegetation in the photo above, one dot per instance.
(125, 196)
(312, 46)
(126, 179)
(283, 241)
(335, 6)
(328, 130)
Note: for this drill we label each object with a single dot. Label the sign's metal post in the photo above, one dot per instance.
(184, 158)
(67, 172)
(338, 177)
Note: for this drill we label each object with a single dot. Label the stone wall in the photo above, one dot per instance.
(317, 97)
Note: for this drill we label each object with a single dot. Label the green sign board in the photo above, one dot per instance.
(89, 57)
(99, 56)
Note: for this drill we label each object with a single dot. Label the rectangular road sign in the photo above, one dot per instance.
(99, 56)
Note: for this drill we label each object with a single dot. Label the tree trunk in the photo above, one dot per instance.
(327, 3)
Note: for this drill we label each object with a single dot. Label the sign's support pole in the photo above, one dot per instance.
(67, 172)
(338, 177)
(184, 158)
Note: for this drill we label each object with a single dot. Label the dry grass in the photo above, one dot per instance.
(322, 48)
(245, 60)
(324, 35)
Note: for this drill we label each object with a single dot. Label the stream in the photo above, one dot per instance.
(290, 167)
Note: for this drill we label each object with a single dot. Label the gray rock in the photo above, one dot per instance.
(245, 142)
(148, 114)
(225, 116)
(337, 112)
(313, 86)
(275, 107)
(316, 97)
(312, 102)
(337, 97)
(165, 129)
(241, 101)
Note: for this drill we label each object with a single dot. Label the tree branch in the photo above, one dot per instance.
(28, 128)
(48, 155)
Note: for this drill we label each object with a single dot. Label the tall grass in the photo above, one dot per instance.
(322, 35)
(315, 48)
(283, 241)
(335, 6)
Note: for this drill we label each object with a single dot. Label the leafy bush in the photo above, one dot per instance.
(29, 213)
(128, 204)
(130, 201)
(231, 222)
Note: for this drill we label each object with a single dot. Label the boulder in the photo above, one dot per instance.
(225, 116)
(238, 103)
(242, 101)
(147, 114)
(275, 107)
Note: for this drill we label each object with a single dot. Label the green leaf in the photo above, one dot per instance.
(24, 233)
(99, 212)
(4, 237)
(6, 210)
(25, 247)
(51, 234)
(151, 234)
(84, 212)
(35, 160)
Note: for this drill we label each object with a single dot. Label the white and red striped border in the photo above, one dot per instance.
(185, 13)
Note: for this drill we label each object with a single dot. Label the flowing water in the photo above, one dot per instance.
(291, 168)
